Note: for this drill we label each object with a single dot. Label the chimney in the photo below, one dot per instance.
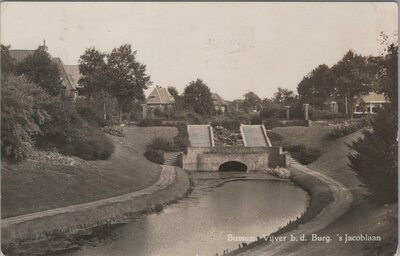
(43, 47)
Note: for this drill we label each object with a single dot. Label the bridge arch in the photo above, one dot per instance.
(232, 166)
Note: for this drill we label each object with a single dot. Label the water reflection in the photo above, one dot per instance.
(200, 225)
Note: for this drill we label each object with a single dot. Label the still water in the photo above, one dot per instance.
(201, 224)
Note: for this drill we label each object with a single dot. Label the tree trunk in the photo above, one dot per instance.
(105, 111)
(345, 102)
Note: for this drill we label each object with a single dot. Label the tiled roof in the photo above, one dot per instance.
(373, 97)
(74, 74)
(66, 80)
(20, 55)
(160, 95)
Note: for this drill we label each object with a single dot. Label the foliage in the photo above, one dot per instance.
(303, 154)
(275, 138)
(156, 156)
(316, 87)
(173, 91)
(181, 140)
(22, 114)
(40, 69)
(114, 130)
(251, 102)
(349, 126)
(117, 73)
(375, 156)
(271, 123)
(279, 172)
(198, 95)
(232, 125)
(161, 143)
(284, 97)
(272, 110)
(149, 123)
(7, 62)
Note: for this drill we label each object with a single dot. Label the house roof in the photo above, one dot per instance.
(74, 74)
(160, 95)
(66, 80)
(218, 100)
(373, 97)
(20, 55)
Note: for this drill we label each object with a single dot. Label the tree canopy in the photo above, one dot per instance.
(40, 69)
(198, 95)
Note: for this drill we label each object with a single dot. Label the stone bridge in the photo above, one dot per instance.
(256, 154)
(232, 158)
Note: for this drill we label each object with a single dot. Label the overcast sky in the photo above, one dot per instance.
(233, 47)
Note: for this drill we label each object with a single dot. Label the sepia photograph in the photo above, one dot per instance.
(199, 128)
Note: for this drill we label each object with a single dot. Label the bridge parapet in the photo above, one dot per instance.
(211, 158)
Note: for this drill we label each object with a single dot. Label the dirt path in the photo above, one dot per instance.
(167, 177)
(342, 199)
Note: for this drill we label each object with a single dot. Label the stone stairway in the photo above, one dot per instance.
(254, 136)
(200, 136)
(173, 160)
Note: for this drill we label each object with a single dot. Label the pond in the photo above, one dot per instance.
(209, 221)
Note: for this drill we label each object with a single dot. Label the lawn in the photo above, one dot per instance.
(39, 184)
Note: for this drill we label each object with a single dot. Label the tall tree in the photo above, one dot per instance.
(375, 156)
(41, 70)
(316, 87)
(173, 91)
(94, 79)
(284, 96)
(7, 62)
(251, 102)
(127, 77)
(351, 78)
(198, 95)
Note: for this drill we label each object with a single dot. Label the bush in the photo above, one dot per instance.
(279, 172)
(349, 126)
(161, 143)
(90, 144)
(114, 130)
(275, 138)
(22, 114)
(149, 123)
(255, 119)
(181, 140)
(156, 156)
(303, 154)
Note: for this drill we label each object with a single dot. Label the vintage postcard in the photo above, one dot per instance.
(199, 128)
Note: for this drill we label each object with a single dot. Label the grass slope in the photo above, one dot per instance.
(362, 217)
(38, 184)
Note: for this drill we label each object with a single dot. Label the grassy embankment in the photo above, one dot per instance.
(362, 217)
(42, 183)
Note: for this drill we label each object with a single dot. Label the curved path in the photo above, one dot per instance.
(167, 177)
(342, 198)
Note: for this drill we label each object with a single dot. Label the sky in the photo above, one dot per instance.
(233, 47)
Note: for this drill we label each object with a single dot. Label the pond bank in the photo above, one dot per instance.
(329, 200)
(75, 222)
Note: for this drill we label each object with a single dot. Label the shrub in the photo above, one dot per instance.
(181, 140)
(275, 138)
(271, 123)
(90, 144)
(255, 119)
(279, 172)
(374, 157)
(349, 126)
(22, 114)
(161, 143)
(114, 130)
(149, 123)
(303, 154)
(156, 156)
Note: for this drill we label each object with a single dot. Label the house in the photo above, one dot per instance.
(160, 99)
(69, 74)
(370, 103)
(219, 103)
